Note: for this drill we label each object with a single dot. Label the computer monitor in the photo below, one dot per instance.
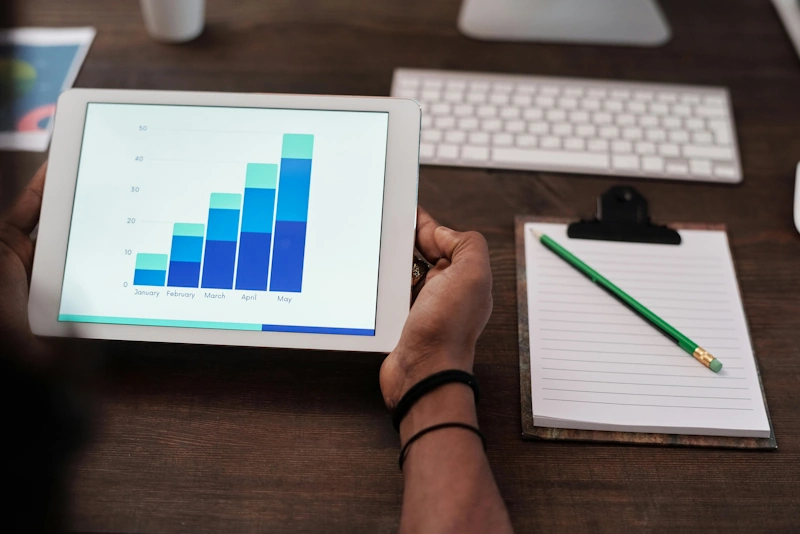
(610, 22)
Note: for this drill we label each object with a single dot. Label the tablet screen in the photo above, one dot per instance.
(230, 218)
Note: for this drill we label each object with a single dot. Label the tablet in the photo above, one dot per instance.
(229, 219)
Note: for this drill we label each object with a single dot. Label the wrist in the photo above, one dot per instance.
(453, 402)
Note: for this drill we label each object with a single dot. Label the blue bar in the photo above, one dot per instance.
(184, 261)
(288, 257)
(253, 268)
(290, 225)
(147, 277)
(222, 233)
(294, 186)
(317, 330)
(184, 274)
(255, 240)
(218, 264)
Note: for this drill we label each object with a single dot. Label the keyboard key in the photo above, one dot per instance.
(677, 168)
(701, 167)
(545, 101)
(574, 143)
(632, 134)
(479, 138)
(567, 103)
(502, 139)
(625, 162)
(522, 100)
(655, 135)
(456, 85)
(667, 97)
(463, 110)
(433, 85)
(621, 147)
(644, 148)
(549, 90)
(551, 142)
(681, 110)
(709, 111)
(690, 99)
(586, 130)
(475, 153)
(602, 118)
(648, 121)
(612, 105)
(620, 94)
(532, 114)
(502, 87)
(678, 136)
(440, 109)
(672, 122)
(669, 150)
(636, 107)
(724, 171)
(491, 125)
(702, 138)
(519, 156)
(468, 124)
(527, 140)
(445, 123)
(653, 164)
(659, 109)
(590, 104)
(426, 150)
(479, 86)
(447, 152)
(509, 113)
(408, 83)
(515, 126)
(609, 132)
(485, 112)
(562, 129)
(573, 92)
(455, 137)
(430, 96)
(476, 98)
(695, 124)
(407, 93)
(427, 121)
(645, 96)
(556, 115)
(579, 117)
(499, 99)
(452, 96)
(597, 93)
(722, 136)
(709, 152)
(539, 128)
(526, 88)
(598, 145)
(626, 120)
(431, 136)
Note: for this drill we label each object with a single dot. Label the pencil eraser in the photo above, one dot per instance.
(715, 365)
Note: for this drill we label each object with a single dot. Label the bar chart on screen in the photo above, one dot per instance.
(228, 218)
(246, 227)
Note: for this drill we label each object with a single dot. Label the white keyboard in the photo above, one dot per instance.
(573, 125)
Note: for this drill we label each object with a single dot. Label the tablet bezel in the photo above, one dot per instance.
(397, 228)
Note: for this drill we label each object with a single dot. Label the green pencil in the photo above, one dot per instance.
(699, 353)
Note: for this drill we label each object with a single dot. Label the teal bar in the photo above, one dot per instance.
(152, 262)
(297, 146)
(189, 229)
(225, 201)
(99, 319)
(261, 176)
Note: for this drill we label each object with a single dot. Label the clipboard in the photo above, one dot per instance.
(622, 215)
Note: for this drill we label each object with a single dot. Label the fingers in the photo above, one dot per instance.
(462, 246)
(24, 214)
(426, 242)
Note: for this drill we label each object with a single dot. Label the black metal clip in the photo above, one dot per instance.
(622, 215)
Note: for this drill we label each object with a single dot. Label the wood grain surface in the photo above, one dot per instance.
(211, 439)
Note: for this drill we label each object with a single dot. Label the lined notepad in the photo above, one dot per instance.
(595, 365)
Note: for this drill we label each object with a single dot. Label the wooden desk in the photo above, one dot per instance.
(198, 439)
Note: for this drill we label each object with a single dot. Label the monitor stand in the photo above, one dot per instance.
(607, 22)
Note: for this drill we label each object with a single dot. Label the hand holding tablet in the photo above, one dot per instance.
(265, 220)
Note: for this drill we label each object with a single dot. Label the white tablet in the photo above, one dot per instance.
(231, 219)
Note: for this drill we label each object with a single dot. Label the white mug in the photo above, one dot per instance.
(173, 21)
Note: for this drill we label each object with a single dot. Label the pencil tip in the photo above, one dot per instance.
(536, 234)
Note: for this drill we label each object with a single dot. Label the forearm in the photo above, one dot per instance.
(449, 485)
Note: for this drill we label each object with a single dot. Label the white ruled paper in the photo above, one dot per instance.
(596, 365)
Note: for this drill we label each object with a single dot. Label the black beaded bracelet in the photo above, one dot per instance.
(440, 426)
(426, 385)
